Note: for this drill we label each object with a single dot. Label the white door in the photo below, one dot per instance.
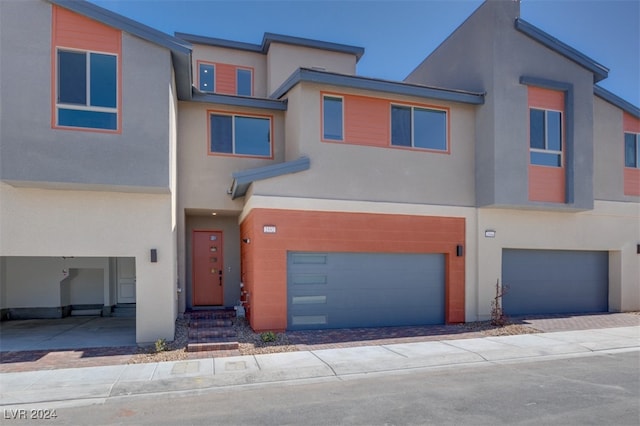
(126, 267)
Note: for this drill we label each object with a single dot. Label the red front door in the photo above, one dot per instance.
(207, 268)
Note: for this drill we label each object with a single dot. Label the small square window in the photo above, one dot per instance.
(545, 137)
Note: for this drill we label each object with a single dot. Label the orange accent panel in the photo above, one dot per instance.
(546, 184)
(631, 181)
(366, 121)
(76, 31)
(630, 124)
(226, 79)
(545, 98)
(208, 268)
(264, 259)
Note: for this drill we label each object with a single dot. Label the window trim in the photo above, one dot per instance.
(233, 136)
(322, 129)
(546, 142)
(637, 143)
(413, 106)
(56, 105)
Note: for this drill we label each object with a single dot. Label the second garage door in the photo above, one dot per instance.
(341, 290)
(555, 281)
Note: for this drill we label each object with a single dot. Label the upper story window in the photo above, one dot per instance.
(632, 150)
(240, 135)
(225, 79)
(545, 137)
(332, 118)
(244, 82)
(87, 89)
(418, 127)
(207, 77)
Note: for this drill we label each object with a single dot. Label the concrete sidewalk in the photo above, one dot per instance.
(48, 386)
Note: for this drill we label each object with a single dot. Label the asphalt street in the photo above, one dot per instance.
(598, 388)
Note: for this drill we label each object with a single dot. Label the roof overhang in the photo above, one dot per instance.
(600, 72)
(269, 38)
(617, 101)
(180, 49)
(242, 101)
(243, 179)
(377, 85)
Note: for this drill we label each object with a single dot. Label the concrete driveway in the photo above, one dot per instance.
(67, 333)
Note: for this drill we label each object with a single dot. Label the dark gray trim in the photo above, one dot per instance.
(600, 72)
(269, 38)
(569, 124)
(615, 100)
(38, 313)
(219, 42)
(180, 49)
(244, 178)
(366, 83)
(306, 42)
(261, 103)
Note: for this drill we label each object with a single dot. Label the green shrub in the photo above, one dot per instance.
(161, 345)
(268, 336)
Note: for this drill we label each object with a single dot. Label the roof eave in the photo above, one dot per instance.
(627, 107)
(242, 101)
(357, 82)
(600, 72)
(243, 179)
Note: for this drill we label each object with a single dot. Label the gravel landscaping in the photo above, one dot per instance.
(251, 343)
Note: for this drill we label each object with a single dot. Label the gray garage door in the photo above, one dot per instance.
(555, 281)
(341, 290)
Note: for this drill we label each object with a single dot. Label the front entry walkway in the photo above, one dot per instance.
(67, 333)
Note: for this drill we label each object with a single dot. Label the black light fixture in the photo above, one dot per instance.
(154, 255)
(459, 250)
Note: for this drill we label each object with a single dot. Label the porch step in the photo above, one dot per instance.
(86, 312)
(211, 330)
(213, 345)
(124, 311)
(199, 334)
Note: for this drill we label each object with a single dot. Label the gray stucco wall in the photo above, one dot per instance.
(609, 152)
(487, 53)
(33, 152)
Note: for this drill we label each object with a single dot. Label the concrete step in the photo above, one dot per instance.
(213, 345)
(86, 312)
(212, 314)
(198, 334)
(208, 323)
(124, 312)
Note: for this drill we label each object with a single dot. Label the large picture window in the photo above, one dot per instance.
(631, 150)
(545, 137)
(416, 127)
(87, 90)
(240, 135)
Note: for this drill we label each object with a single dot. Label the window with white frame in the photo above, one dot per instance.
(244, 82)
(632, 150)
(332, 118)
(240, 135)
(545, 137)
(87, 89)
(416, 127)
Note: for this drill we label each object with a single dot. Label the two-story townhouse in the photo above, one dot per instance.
(271, 173)
(88, 112)
(557, 185)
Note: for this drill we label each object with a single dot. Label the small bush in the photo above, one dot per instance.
(161, 345)
(268, 336)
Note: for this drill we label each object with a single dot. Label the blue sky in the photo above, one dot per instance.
(397, 35)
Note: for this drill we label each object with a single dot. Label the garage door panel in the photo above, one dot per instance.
(365, 289)
(555, 281)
